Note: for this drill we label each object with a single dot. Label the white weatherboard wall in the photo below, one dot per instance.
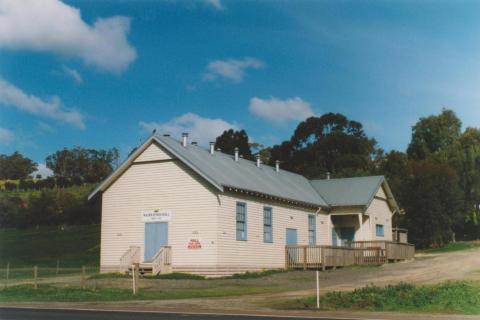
(379, 213)
(254, 253)
(164, 185)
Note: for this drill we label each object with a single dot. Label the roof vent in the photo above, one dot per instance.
(236, 150)
(277, 165)
(328, 175)
(259, 161)
(184, 139)
(212, 147)
(166, 135)
(194, 143)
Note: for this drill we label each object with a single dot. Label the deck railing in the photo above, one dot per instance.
(353, 253)
(132, 255)
(162, 260)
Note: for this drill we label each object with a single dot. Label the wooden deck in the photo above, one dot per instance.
(353, 253)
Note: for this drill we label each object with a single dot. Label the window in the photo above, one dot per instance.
(241, 221)
(312, 230)
(267, 224)
(379, 229)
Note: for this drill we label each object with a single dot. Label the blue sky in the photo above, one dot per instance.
(103, 74)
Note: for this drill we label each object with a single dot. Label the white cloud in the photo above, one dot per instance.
(6, 135)
(231, 69)
(217, 4)
(202, 130)
(72, 73)
(54, 108)
(43, 171)
(55, 27)
(277, 110)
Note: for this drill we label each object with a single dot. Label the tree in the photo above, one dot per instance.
(464, 156)
(330, 143)
(231, 139)
(16, 166)
(395, 167)
(433, 134)
(432, 203)
(90, 165)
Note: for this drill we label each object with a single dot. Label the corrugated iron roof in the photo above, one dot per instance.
(243, 174)
(222, 171)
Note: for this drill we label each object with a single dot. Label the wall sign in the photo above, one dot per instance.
(156, 216)
(194, 244)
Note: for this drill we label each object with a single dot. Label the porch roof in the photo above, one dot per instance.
(358, 191)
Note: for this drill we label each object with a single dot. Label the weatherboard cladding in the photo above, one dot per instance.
(223, 172)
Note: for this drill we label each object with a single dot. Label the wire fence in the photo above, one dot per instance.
(34, 275)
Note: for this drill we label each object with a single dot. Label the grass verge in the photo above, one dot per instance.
(454, 246)
(450, 297)
(254, 275)
(72, 294)
(74, 246)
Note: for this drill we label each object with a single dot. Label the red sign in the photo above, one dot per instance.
(194, 244)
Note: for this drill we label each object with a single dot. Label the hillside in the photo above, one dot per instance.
(79, 191)
(74, 246)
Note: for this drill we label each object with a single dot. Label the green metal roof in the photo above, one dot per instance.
(243, 174)
(222, 171)
(358, 191)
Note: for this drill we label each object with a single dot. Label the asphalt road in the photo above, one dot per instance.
(52, 314)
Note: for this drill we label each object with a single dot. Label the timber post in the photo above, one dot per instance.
(35, 277)
(83, 277)
(135, 277)
(305, 258)
(7, 274)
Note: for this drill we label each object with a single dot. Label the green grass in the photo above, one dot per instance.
(454, 246)
(189, 276)
(253, 275)
(450, 297)
(177, 276)
(75, 246)
(51, 293)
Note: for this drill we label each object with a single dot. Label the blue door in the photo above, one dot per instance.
(156, 236)
(291, 237)
(347, 233)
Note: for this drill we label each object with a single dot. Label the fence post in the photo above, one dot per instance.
(323, 258)
(58, 266)
(35, 276)
(135, 276)
(318, 290)
(83, 277)
(334, 256)
(305, 258)
(386, 251)
(7, 274)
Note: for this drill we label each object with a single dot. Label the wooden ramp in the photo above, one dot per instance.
(354, 253)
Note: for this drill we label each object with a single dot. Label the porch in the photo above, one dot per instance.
(161, 262)
(352, 253)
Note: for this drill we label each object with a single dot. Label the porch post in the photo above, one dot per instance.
(360, 229)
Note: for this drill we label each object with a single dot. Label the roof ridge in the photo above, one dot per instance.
(348, 178)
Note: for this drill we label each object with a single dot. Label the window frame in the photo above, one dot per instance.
(239, 232)
(267, 228)
(312, 230)
(380, 227)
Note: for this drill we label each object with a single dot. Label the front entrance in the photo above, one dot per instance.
(347, 233)
(156, 236)
(291, 237)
